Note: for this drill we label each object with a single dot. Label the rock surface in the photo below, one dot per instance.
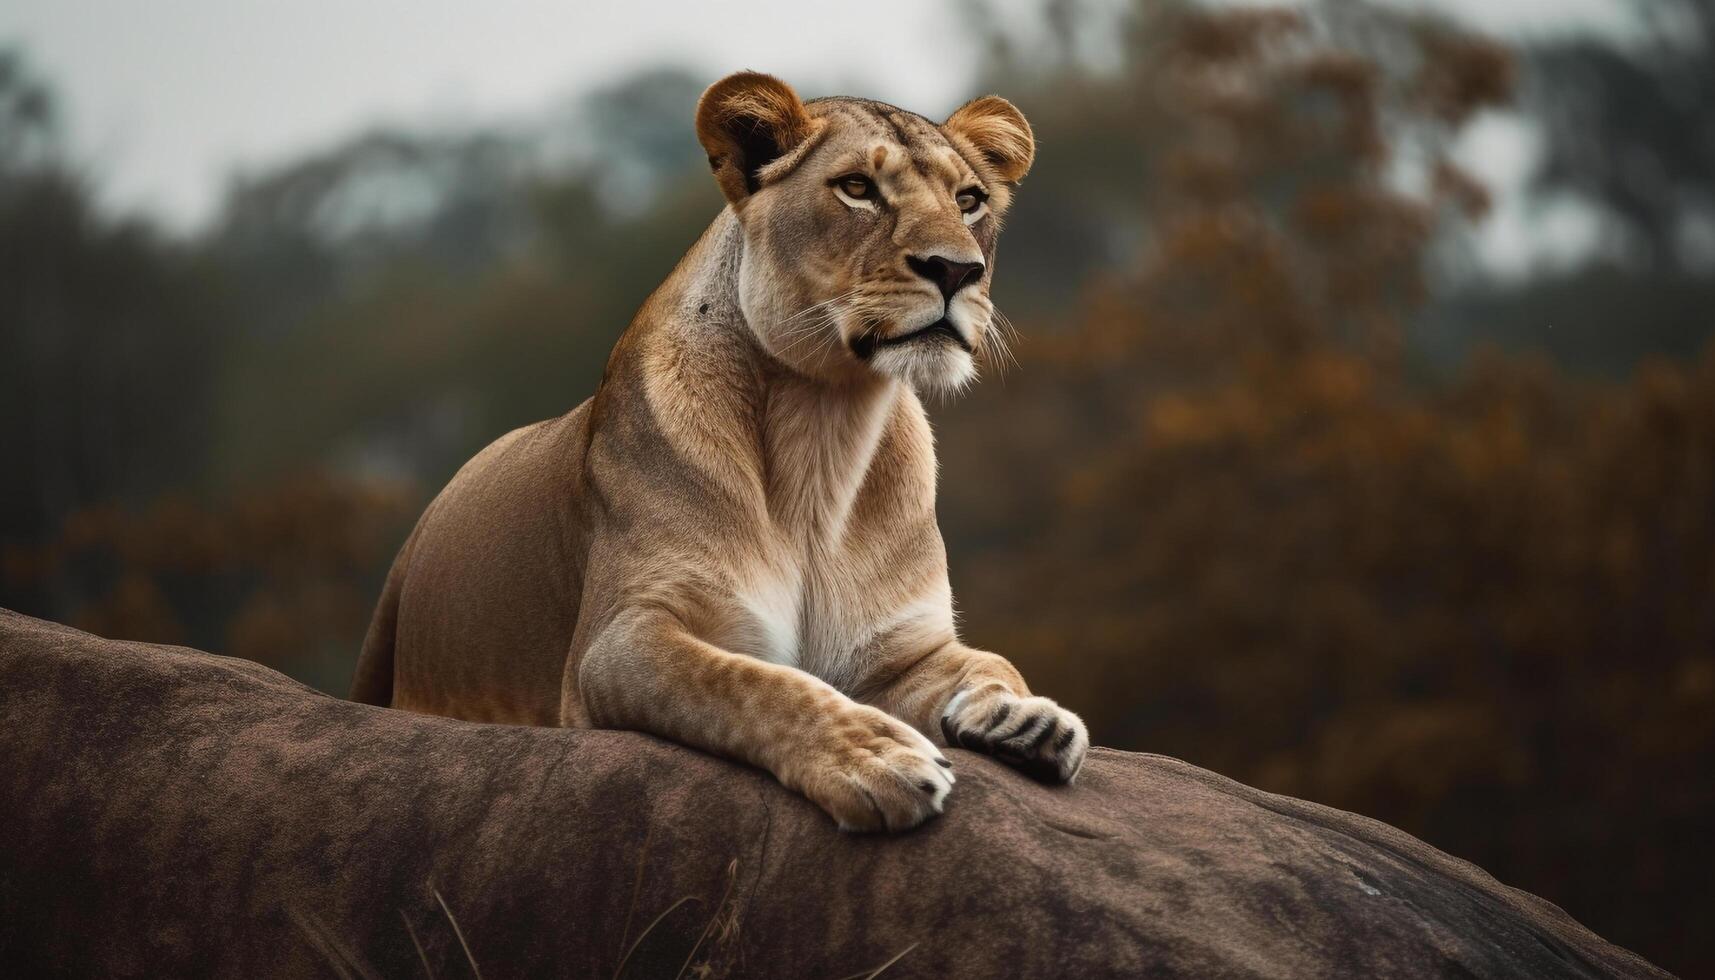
(165, 812)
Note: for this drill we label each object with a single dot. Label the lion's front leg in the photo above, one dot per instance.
(867, 769)
(977, 700)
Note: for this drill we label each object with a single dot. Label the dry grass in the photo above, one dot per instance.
(715, 937)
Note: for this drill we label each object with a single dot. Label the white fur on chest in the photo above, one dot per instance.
(785, 615)
(790, 612)
(770, 615)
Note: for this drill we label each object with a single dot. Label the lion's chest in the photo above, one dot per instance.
(804, 613)
(768, 615)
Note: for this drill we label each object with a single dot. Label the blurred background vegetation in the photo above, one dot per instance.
(1290, 484)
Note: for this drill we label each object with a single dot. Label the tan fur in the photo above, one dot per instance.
(733, 543)
(998, 131)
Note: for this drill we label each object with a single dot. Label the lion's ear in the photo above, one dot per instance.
(998, 130)
(745, 122)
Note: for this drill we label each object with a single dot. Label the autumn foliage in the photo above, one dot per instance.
(285, 574)
(1220, 513)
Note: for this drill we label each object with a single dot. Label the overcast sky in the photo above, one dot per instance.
(169, 97)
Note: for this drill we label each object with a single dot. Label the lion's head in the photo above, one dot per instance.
(869, 231)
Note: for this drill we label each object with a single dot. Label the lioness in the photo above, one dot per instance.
(733, 544)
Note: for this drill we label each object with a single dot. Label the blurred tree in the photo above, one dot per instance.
(1626, 136)
(111, 362)
(633, 136)
(284, 573)
(29, 139)
(439, 289)
(106, 347)
(1217, 513)
(304, 236)
(1629, 129)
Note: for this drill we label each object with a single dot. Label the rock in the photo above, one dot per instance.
(165, 812)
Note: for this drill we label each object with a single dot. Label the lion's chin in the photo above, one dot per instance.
(930, 366)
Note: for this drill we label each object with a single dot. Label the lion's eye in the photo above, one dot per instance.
(857, 187)
(970, 199)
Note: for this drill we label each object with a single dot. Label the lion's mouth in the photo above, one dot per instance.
(866, 345)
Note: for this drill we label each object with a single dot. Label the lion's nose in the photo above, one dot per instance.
(950, 276)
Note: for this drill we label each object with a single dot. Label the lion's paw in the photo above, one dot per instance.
(875, 772)
(1038, 736)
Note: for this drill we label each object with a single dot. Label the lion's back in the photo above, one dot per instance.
(488, 584)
